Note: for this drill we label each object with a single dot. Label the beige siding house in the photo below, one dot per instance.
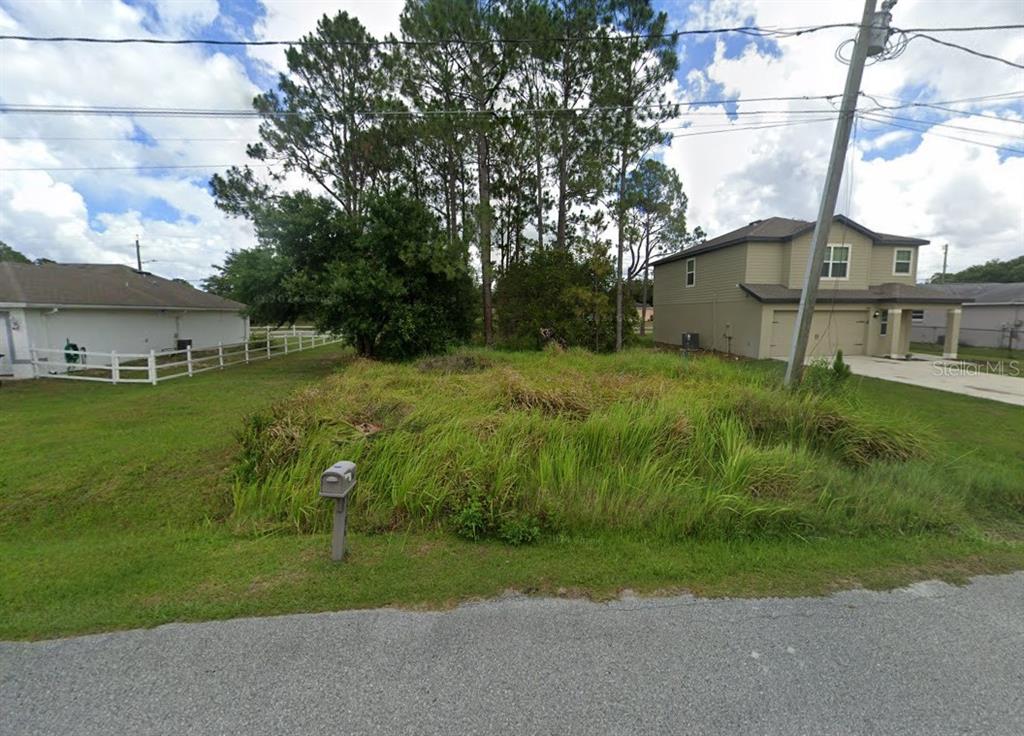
(739, 292)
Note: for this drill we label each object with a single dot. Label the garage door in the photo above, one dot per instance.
(830, 331)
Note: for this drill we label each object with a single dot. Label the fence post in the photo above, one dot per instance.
(300, 342)
(286, 344)
(188, 359)
(247, 350)
(268, 343)
(152, 366)
(220, 354)
(115, 367)
(294, 328)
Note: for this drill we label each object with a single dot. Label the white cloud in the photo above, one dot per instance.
(95, 215)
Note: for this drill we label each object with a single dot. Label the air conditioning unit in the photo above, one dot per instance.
(691, 341)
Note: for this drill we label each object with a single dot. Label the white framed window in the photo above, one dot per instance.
(917, 315)
(902, 260)
(691, 272)
(837, 262)
(883, 323)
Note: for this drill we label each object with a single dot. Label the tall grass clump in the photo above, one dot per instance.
(514, 445)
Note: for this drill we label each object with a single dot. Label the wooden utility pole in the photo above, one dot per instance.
(872, 27)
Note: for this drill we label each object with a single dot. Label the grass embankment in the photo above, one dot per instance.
(135, 505)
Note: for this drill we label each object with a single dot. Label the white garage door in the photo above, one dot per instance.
(830, 331)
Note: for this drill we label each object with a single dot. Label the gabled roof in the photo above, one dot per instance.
(779, 229)
(1009, 293)
(100, 285)
(906, 293)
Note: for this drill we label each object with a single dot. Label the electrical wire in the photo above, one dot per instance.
(757, 31)
(883, 121)
(36, 109)
(965, 49)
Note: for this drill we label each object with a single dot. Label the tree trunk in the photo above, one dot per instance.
(621, 217)
(484, 228)
(643, 307)
(540, 189)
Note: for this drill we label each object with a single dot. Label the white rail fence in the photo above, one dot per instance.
(155, 366)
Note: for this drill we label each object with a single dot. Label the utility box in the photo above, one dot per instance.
(337, 482)
(691, 341)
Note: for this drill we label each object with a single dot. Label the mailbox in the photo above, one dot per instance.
(338, 480)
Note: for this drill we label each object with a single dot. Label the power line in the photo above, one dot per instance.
(883, 121)
(392, 41)
(242, 113)
(133, 168)
(933, 123)
(965, 49)
(758, 31)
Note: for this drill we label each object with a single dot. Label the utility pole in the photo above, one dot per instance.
(945, 252)
(874, 29)
(138, 253)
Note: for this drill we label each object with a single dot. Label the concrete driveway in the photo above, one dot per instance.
(929, 659)
(945, 375)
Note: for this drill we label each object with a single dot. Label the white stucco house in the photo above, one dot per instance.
(104, 308)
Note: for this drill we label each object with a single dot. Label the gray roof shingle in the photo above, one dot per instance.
(776, 229)
(101, 285)
(779, 294)
(1008, 293)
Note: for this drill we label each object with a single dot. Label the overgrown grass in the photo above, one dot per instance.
(639, 442)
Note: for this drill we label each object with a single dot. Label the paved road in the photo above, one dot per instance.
(958, 377)
(929, 659)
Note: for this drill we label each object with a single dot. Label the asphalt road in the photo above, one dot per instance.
(929, 659)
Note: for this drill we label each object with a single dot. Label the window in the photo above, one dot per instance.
(883, 323)
(691, 272)
(917, 315)
(901, 260)
(837, 262)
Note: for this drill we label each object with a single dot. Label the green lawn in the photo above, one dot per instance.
(990, 360)
(124, 506)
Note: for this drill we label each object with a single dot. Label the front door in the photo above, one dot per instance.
(6, 366)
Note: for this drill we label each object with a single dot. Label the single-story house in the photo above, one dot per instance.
(641, 312)
(104, 308)
(994, 319)
(739, 292)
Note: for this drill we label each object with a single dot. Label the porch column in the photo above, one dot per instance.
(896, 334)
(949, 348)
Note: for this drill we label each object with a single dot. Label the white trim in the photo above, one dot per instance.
(687, 272)
(910, 263)
(849, 261)
(37, 305)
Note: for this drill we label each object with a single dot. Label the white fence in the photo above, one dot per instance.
(156, 366)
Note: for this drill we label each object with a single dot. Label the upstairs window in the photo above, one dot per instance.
(691, 272)
(902, 260)
(837, 262)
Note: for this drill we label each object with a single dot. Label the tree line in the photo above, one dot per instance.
(489, 143)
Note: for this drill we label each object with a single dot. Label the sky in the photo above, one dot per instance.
(99, 182)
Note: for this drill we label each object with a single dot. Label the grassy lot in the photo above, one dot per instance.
(990, 360)
(125, 506)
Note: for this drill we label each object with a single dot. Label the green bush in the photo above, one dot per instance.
(556, 290)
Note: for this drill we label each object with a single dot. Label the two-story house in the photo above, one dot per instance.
(739, 292)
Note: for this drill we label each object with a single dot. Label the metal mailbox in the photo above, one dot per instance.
(337, 482)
